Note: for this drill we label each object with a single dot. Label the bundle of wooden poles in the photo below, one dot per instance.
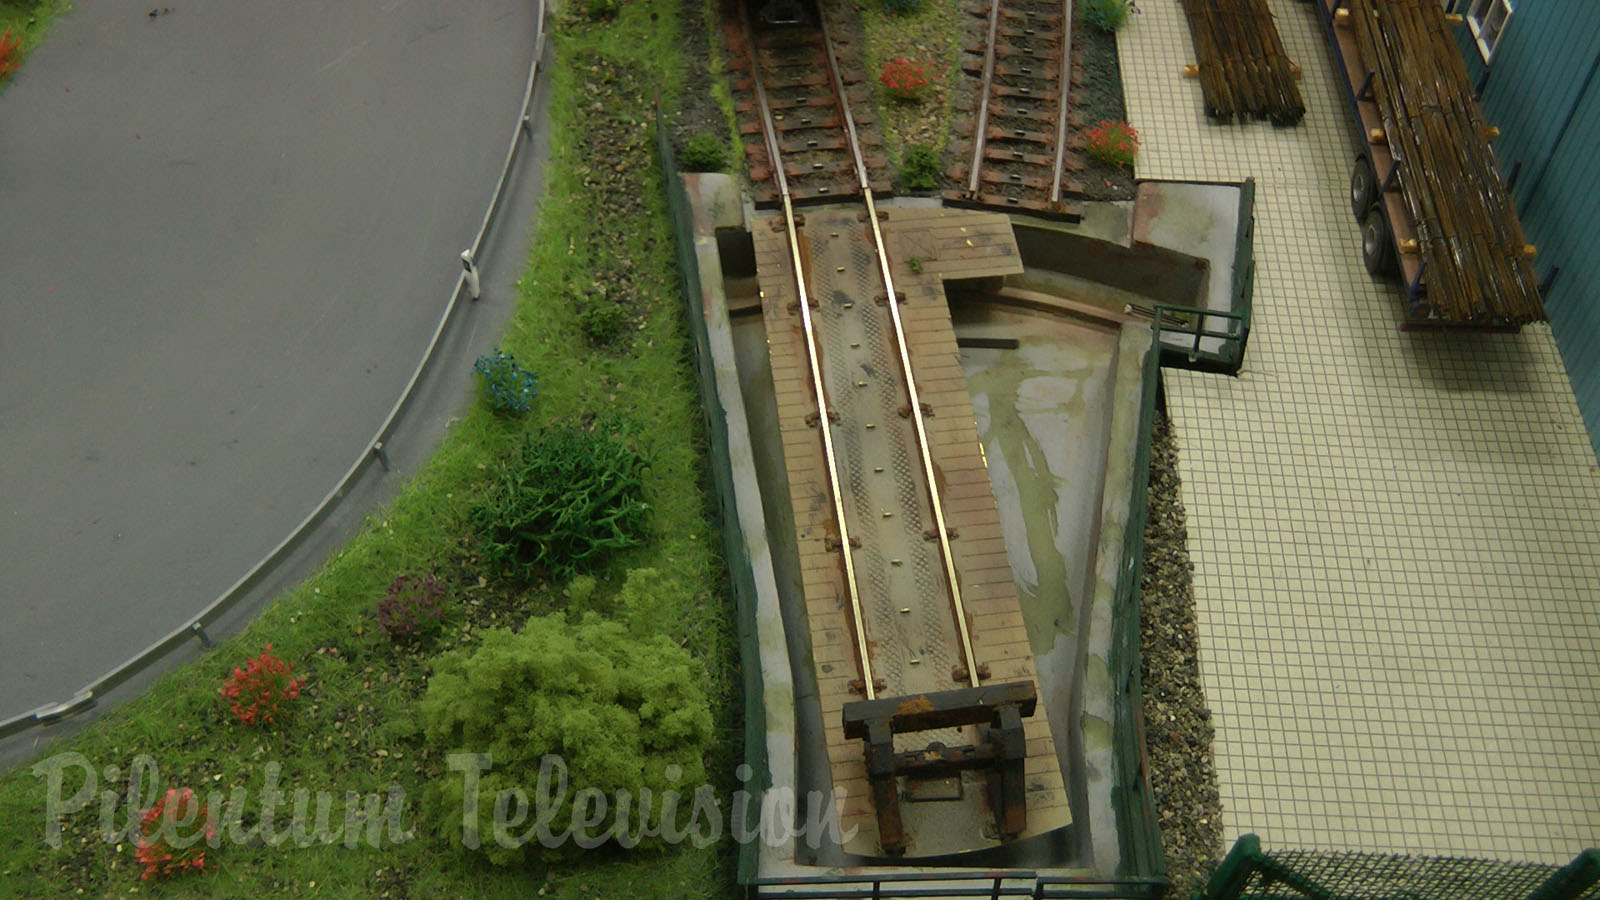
(1478, 265)
(1243, 69)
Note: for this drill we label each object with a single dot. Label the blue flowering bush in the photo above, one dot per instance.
(510, 387)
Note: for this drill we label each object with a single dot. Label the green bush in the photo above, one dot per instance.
(602, 10)
(622, 712)
(703, 153)
(563, 502)
(919, 168)
(1106, 15)
(901, 7)
(601, 319)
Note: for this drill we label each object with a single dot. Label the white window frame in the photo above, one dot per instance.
(1481, 15)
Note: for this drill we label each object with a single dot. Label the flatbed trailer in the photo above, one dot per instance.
(1389, 237)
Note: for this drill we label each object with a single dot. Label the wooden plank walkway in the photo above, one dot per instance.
(906, 655)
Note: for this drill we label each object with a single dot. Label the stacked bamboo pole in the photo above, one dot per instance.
(1476, 259)
(1243, 68)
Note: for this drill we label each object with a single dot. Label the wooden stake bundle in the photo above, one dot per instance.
(1472, 244)
(1244, 70)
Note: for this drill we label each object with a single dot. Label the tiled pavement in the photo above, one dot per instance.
(1396, 536)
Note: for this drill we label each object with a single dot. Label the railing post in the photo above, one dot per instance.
(1572, 879)
(1230, 878)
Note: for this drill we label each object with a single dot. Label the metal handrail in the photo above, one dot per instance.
(195, 627)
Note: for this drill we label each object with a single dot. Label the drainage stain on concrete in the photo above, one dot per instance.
(1041, 416)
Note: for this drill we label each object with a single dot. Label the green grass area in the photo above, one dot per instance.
(930, 34)
(355, 726)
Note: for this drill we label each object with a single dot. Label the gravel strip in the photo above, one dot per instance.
(1178, 730)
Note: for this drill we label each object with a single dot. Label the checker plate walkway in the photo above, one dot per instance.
(1396, 537)
(906, 607)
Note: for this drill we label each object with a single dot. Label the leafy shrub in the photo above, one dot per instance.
(257, 692)
(703, 153)
(901, 7)
(904, 78)
(623, 713)
(601, 10)
(162, 847)
(601, 319)
(919, 168)
(10, 58)
(1106, 15)
(564, 501)
(511, 388)
(1115, 143)
(412, 609)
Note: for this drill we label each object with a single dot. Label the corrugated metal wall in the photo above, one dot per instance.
(1541, 74)
(1563, 218)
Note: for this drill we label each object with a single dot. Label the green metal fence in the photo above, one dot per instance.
(1234, 335)
(741, 578)
(1249, 873)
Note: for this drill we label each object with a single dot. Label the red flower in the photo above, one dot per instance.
(160, 824)
(904, 79)
(255, 693)
(8, 53)
(1116, 143)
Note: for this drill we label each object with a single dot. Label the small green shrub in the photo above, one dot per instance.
(601, 319)
(564, 502)
(919, 168)
(703, 153)
(1106, 15)
(915, 264)
(621, 712)
(510, 387)
(601, 10)
(901, 7)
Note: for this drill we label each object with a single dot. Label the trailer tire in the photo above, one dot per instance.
(1363, 187)
(1377, 242)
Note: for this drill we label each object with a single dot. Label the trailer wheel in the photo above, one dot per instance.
(1363, 187)
(1377, 242)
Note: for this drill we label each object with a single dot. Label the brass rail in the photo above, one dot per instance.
(958, 607)
(813, 356)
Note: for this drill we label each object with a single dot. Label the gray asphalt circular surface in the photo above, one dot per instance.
(226, 233)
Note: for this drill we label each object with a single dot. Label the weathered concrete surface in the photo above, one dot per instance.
(225, 235)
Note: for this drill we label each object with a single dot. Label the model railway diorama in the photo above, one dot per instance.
(937, 413)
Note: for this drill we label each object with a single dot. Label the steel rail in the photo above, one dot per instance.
(1061, 101)
(980, 125)
(813, 355)
(958, 607)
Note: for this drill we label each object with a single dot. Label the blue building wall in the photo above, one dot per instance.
(1543, 92)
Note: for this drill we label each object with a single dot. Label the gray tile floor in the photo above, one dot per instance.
(1396, 535)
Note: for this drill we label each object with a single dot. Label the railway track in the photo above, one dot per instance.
(787, 177)
(815, 142)
(901, 591)
(1021, 53)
